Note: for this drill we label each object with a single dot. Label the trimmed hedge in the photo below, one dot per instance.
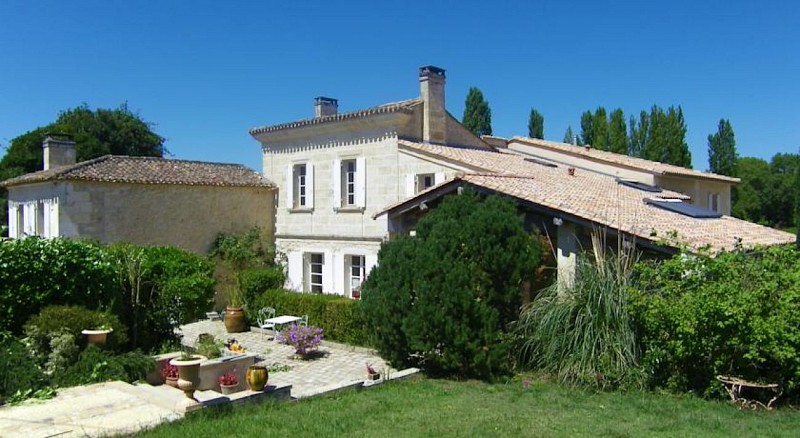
(341, 318)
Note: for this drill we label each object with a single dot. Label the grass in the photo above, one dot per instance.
(421, 407)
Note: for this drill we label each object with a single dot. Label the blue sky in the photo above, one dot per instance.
(206, 71)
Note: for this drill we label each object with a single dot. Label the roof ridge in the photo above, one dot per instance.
(178, 160)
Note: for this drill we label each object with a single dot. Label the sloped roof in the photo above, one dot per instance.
(590, 153)
(596, 198)
(148, 170)
(401, 106)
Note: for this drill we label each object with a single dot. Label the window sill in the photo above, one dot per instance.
(349, 209)
(301, 210)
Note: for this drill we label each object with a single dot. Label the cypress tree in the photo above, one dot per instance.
(600, 129)
(618, 133)
(536, 124)
(722, 155)
(477, 114)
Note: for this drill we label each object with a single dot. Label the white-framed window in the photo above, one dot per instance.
(356, 266)
(348, 181)
(300, 186)
(417, 182)
(713, 202)
(314, 264)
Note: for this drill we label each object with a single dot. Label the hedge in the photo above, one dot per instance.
(341, 318)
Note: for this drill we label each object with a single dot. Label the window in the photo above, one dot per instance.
(713, 201)
(315, 263)
(356, 274)
(417, 182)
(348, 180)
(424, 181)
(300, 186)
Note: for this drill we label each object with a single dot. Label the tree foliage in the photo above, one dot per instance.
(617, 132)
(767, 192)
(477, 114)
(569, 136)
(443, 299)
(722, 155)
(536, 124)
(605, 132)
(660, 135)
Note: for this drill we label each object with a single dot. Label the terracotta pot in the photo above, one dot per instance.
(235, 322)
(257, 377)
(229, 389)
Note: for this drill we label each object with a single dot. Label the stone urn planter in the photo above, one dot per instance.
(188, 373)
(97, 336)
(235, 321)
(257, 377)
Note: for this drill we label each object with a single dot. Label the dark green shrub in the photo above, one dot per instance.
(255, 281)
(19, 370)
(95, 365)
(72, 319)
(340, 318)
(445, 297)
(38, 272)
(735, 314)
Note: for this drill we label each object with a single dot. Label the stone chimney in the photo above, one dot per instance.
(434, 118)
(58, 150)
(325, 106)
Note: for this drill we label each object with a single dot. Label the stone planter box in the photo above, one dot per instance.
(210, 370)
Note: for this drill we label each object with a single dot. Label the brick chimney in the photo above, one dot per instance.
(434, 118)
(325, 106)
(58, 151)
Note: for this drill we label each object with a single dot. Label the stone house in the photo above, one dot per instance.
(348, 180)
(142, 200)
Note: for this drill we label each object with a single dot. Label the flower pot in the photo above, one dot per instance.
(257, 376)
(229, 389)
(235, 321)
(374, 376)
(171, 381)
(188, 374)
(97, 337)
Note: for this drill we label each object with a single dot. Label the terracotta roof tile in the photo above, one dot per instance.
(600, 199)
(148, 170)
(405, 105)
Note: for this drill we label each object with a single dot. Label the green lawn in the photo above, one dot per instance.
(438, 408)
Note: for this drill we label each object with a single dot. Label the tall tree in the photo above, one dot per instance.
(569, 136)
(749, 199)
(639, 133)
(722, 155)
(536, 124)
(587, 128)
(477, 114)
(600, 129)
(661, 136)
(617, 133)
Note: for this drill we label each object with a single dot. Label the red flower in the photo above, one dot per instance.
(229, 378)
(169, 371)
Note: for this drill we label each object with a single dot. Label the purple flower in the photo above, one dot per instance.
(302, 338)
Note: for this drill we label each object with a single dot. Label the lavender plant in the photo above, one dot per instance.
(302, 338)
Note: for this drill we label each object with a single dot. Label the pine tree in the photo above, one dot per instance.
(722, 155)
(569, 136)
(618, 133)
(536, 124)
(477, 114)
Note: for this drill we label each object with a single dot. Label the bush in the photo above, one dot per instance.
(53, 320)
(38, 272)
(95, 365)
(340, 317)
(19, 370)
(583, 334)
(735, 314)
(447, 295)
(255, 281)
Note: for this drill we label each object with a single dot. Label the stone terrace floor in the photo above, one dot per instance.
(336, 364)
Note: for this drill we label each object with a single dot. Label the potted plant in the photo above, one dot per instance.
(235, 321)
(229, 382)
(372, 374)
(170, 373)
(188, 372)
(304, 339)
(98, 335)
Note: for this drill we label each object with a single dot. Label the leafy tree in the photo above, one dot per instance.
(587, 128)
(617, 133)
(749, 201)
(477, 114)
(569, 136)
(661, 136)
(536, 124)
(722, 150)
(639, 134)
(444, 298)
(767, 192)
(600, 129)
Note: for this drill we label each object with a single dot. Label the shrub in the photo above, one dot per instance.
(447, 295)
(302, 338)
(340, 317)
(95, 365)
(583, 334)
(209, 347)
(38, 272)
(53, 320)
(19, 370)
(255, 281)
(734, 314)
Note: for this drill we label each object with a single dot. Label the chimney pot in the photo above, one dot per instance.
(434, 117)
(325, 106)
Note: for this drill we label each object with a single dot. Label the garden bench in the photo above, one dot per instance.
(734, 386)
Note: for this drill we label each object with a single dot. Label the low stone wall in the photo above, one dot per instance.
(210, 370)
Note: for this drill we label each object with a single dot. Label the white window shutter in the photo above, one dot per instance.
(309, 185)
(361, 182)
(294, 277)
(336, 183)
(46, 219)
(438, 178)
(411, 181)
(370, 260)
(327, 272)
(53, 207)
(12, 220)
(29, 219)
(288, 193)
